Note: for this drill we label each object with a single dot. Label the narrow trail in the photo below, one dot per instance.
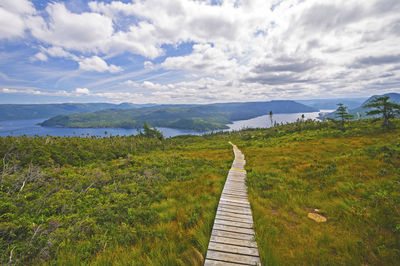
(232, 238)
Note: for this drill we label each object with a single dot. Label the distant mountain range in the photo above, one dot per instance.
(332, 103)
(190, 116)
(32, 111)
(394, 97)
(194, 117)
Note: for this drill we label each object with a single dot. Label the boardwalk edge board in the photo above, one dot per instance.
(232, 239)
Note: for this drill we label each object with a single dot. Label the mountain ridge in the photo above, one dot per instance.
(33, 111)
(394, 97)
(186, 116)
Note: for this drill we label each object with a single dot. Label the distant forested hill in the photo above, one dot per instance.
(394, 97)
(32, 111)
(195, 117)
(332, 103)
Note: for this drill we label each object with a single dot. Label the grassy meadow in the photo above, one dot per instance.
(352, 178)
(107, 201)
(146, 201)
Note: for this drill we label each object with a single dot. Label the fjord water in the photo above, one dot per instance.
(30, 127)
(265, 121)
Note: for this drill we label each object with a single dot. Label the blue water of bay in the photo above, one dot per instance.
(30, 127)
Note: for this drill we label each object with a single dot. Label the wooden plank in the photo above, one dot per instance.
(239, 183)
(238, 166)
(236, 181)
(237, 186)
(235, 190)
(235, 258)
(234, 196)
(238, 204)
(228, 191)
(234, 207)
(234, 229)
(209, 262)
(233, 235)
(232, 210)
(232, 223)
(233, 249)
(233, 241)
(234, 176)
(231, 204)
(240, 177)
(234, 219)
(236, 173)
(235, 203)
(227, 196)
(244, 216)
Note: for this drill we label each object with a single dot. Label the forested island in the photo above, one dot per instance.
(194, 117)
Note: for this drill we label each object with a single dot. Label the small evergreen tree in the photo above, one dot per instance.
(343, 115)
(152, 132)
(383, 107)
(270, 118)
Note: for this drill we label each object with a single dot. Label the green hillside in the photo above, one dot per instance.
(145, 201)
(32, 111)
(361, 111)
(194, 117)
(332, 103)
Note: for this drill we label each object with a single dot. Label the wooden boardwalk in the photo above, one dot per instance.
(232, 238)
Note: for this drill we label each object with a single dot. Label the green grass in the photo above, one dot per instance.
(145, 201)
(353, 178)
(154, 206)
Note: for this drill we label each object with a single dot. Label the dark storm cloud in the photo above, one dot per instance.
(376, 60)
(395, 27)
(383, 6)
(327, 17)
(275, 79)
(291, 67)
(387, 75)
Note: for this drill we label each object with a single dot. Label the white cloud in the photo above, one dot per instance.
(7, 90)
(148, 65)
(97, 64)
(18, 6)
(12, 17)
(85, 32)
(40, 57)
(56, 51)
(129, 83)
(34, 91)
(249, 49)
(82, 91)
(206, 58)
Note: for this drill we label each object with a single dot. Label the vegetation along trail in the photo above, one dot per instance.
(147, 200)
(232, 238)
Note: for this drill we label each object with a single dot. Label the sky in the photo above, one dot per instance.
(197, 51)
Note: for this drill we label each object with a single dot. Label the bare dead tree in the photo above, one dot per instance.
(5, 168)
(11, 255)
(34, 234)
(33, 174)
